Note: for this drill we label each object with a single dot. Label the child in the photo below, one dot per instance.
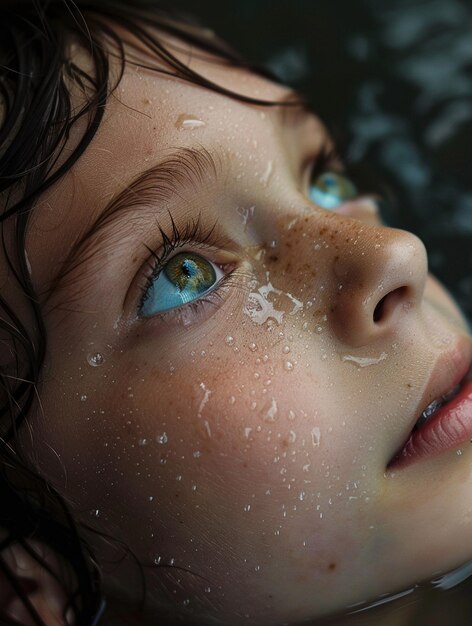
(228, 390)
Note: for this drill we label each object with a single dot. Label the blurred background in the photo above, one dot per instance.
(393, 81)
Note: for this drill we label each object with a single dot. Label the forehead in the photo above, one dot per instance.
(148, 115)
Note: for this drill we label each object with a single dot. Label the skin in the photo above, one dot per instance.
(252, 456)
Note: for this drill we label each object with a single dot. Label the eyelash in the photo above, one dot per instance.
(200, 237)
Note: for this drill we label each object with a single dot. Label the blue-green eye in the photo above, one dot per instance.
(331, 189)
(184, 278)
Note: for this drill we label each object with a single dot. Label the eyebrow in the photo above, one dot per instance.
(152, 190)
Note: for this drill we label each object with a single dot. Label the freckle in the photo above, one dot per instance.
(273, 258)
(284, 443)
(176, 495)
(244, 464)
(332, 567)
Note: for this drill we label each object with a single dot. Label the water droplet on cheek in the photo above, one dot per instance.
(96, 359)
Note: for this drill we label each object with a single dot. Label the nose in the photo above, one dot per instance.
(379, 277)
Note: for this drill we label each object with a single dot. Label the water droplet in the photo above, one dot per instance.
(286, 349)
(143, 442)
(319, 329)
(272, 413)
(247, 432)
(96, 359)
(232, 400)
(229, 340)
(315, 436)
(188, 122)
(264, 179)
(246, 214)
(291, 415)
(364, 361)
(197, 454)
(157, 560)
(252, 347)
(292, 437)
(288, 366)
(247, 507)
(301, 495)
(162, 439)
(83, 397)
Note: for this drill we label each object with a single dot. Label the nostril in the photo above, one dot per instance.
(388, 304)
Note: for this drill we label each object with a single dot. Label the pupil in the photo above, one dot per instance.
(188, 268)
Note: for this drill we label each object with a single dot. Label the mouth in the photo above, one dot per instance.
(445, 423)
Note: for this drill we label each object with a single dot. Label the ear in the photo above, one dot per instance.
(45, 594)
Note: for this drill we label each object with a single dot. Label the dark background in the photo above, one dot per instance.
(393, 81)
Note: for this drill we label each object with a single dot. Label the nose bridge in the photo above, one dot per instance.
(369, 275)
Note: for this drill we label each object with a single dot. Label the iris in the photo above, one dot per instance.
(331, 189)
(184, 278)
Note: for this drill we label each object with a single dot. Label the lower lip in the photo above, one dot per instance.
(447, 430)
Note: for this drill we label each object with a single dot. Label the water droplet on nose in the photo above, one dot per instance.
(162, 439)
(96, 359)
(229, 340)
(288, 366)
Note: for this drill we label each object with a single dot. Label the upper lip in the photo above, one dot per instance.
(449, 370)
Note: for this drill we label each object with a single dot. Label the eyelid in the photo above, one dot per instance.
(327, 158)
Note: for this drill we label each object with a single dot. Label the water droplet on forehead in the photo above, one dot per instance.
(188, 122)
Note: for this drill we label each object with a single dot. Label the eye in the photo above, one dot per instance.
(331, 189)
(184, 278)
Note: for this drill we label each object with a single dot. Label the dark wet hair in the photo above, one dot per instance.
(36, 120)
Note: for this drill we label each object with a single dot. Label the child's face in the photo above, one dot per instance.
(245, 436)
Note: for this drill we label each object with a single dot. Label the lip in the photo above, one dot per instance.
(451, 426)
